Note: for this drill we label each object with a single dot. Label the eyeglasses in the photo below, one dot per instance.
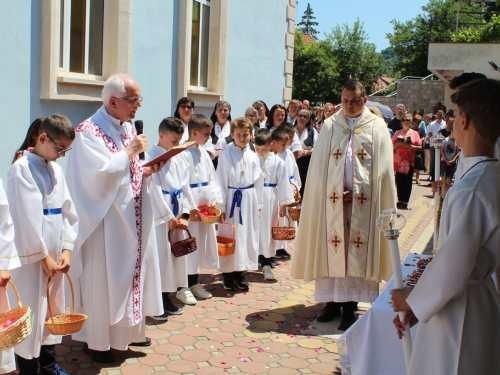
(60, 150)
(406, 120)
(184, 106)
(133, 101)
(303, 116)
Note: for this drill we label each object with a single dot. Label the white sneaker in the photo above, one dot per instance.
(200, 292)
(186, 297)
(268, 273)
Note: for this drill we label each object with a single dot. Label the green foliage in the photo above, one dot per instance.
(307, 24)
(322, 68)
(410, 40)
(357, 59)
(390, 61)
(314, 70)
(489, 33)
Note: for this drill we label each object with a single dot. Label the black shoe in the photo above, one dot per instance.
(240, 281)
(99, 356)
(228, 281)
(331, 310)
(282, 254)
(274, 262)
(145, 343)
(261, 260)
(346, 322)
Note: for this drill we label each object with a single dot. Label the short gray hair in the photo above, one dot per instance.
(114, 87)
(251, 109)
(306, 112)
(401, 105)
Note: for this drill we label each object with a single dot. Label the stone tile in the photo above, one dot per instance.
(216, 314)
(275, 347)
(224, 361)
(295, 363)
(254, 367)
(303, 353)
(137, 369)
(236, 352)
(195, 331)
(196, 355)
(182, 340)
(282, 371)
(328, 358)
(169, 349)
(181, 366)
(322, 368)
(231, 328)
(264, 357)
(154, 359)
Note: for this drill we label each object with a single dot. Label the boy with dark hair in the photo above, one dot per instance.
(276, 195)
(241, 184)
(168, 195)
(203, 190)
(455, 300)
(46, 226)
(294, 178)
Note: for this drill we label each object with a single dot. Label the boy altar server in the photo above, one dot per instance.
(455, 300)
(203, 190)
(46, 228)
(277, 193)
(168, 197)
(241, 184)
(293, 177)
(8, 261)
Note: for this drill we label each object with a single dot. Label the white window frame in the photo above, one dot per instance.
(56, 83)
(64, 70)
(217, 56)
(200, 47)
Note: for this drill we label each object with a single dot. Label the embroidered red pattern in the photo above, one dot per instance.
(136, 172)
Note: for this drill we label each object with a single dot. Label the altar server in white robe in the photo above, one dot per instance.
(276, 194)
(46, 227)
(293, 174)
(169, 205)
(119, 276)
(203, 190)
(8, 261)
(350, 181)
(241, 184)
(455, 301)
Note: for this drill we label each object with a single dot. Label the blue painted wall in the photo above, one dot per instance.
(255, 63)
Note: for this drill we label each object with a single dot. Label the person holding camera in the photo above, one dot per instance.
(406, 142)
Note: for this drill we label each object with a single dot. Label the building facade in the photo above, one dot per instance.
(57, 54)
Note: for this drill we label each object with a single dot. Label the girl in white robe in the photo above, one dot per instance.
(46, 224)
(241, 183)
(8, 261)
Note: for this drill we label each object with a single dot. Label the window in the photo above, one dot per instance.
(200, 32)
(74, 36)
(81, 36)
(201, 50)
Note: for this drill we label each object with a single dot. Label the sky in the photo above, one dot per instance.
(376, 15)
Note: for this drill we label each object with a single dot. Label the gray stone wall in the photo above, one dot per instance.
(414, 94)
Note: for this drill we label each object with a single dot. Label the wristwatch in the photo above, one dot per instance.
(185, 216)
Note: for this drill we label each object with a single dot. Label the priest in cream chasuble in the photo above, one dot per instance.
(350, 182)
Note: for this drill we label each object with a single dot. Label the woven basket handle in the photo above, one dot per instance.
(288, 221)
(48, 296)
(234, 229)
(170, 239)
(19, 304)
(297, 190)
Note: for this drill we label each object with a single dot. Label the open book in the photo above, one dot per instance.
(168, 154)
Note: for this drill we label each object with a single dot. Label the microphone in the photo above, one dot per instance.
(139, 127)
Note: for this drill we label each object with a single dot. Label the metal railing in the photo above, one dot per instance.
(394, 93)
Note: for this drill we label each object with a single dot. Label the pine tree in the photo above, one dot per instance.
(308, 23)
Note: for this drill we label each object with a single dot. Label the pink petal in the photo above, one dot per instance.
(308, 337)
(259, 350)
(223, 362)
(203, 306)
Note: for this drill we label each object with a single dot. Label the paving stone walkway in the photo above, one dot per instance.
(269, 330)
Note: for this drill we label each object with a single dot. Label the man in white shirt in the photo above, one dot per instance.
(432, 130)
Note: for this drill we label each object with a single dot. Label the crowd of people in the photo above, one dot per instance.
(113, 223)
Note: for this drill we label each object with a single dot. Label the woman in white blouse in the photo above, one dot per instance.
(221, 117)
(307, 136)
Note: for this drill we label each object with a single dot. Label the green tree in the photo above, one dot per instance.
(488, 33)
(307, 24)
(356, 59)
(390, 61)
(314, 70)
(410, 39)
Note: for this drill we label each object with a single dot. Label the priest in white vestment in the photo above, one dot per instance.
(455, 300)
(8, 261)
(350, 182)
(119, 275)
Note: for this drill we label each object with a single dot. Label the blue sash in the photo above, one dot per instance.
(52, 211)
(199, 184)
(238, 194)
(267, 184)
(174, 199)
(290, 178)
